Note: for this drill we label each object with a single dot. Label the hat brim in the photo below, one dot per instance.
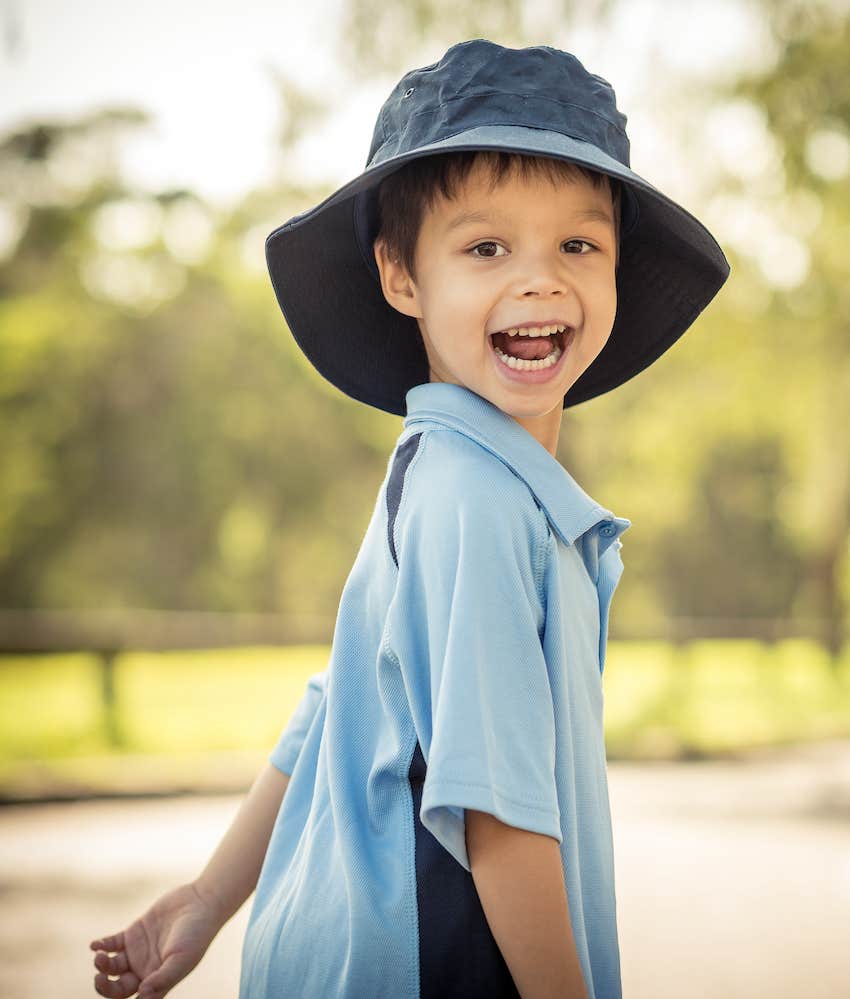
(670, 268)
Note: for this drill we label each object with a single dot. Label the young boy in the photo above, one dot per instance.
(445, 829)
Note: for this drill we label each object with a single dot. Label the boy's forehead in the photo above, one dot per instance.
(475, 203)
(479, 216)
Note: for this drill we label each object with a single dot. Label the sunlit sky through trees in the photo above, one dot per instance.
(206, 70)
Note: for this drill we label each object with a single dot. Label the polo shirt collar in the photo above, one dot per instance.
(568, 507)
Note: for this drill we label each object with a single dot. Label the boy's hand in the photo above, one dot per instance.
(159, 949)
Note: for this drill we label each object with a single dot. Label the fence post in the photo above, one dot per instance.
(114, 735)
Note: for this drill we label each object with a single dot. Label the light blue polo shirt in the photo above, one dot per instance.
(465, 672)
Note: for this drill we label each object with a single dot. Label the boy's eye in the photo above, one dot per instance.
(488, 243)
(584, 241)
(493, 244)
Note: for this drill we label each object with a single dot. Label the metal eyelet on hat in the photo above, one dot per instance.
(408, 92)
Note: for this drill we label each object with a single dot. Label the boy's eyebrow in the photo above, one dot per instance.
(583, 214)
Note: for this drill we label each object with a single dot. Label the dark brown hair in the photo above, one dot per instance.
(405, 194)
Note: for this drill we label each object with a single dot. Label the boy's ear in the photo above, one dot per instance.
(396, 284)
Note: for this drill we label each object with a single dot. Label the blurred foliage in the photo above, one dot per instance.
(387, 37)
(805, 98)
(740, 432)
(165, 444)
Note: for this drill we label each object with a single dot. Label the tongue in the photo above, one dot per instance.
(527, 347)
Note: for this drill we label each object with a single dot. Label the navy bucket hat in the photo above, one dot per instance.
(539, 101)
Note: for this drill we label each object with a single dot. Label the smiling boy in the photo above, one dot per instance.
(434, 820)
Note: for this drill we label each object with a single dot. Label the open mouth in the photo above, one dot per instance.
(526, 352)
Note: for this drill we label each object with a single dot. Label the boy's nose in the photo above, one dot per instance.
(544, 275)
(544, 281)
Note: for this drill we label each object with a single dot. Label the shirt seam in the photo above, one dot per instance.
(410, 854)
(458, 427)
(542, 558)
(531, 803)
(540, 540)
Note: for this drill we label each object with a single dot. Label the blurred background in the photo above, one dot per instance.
(182, 495)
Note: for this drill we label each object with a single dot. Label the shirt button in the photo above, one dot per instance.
(608, 529)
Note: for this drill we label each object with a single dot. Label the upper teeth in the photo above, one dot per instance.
(535, 331)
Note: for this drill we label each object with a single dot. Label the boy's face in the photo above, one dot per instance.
(528, 256)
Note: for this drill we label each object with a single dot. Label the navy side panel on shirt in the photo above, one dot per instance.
(458, 954)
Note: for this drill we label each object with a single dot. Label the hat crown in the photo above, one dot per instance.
(479, 82)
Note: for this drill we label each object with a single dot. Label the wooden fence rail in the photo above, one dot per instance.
(43, 631)
(107, 633)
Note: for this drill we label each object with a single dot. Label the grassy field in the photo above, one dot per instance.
(721, 696)
(704, 698)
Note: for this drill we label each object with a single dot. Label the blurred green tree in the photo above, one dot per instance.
(165, 444)
(805, 98)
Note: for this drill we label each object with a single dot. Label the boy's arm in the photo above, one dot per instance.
(232, 872)
(520, 881)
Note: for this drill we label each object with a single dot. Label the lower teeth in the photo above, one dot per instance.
(521, 364)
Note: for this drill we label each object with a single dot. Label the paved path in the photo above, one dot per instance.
(733, 881)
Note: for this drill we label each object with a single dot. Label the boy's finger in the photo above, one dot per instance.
(118, 988)
(115, 942)
(116, 965)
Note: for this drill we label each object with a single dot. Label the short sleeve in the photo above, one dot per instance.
(285, 753)
(465, 625)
